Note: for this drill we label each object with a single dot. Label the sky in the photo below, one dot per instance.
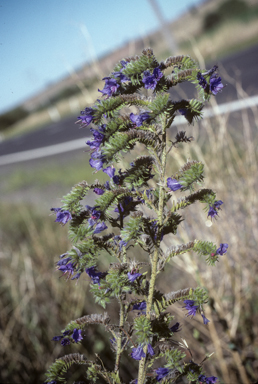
(41, 40)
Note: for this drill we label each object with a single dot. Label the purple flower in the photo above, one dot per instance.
(140, 306)
(205, 320)
(100, 227)
(133, 276)
(63, 261)
(154, 230)
(183, 111)
(213, 209)
(87, 116)
(207, 380)
(175, 328)
(62, 216)
(150, 350)
(97, 160)
(190, 307)
(202, 81)
(94, 275)
(77, 335)
(76, 276)
(222, 249)
(68, 268)
(211, 380)
(161, 373)
(139, 119)
(111, 86)
(65, 341)
(121, 76)
(98, 138)
(110, 171)
(173, 184)
(122, 244)
(57, 338)
(98, 191)
(150, 81)
(137, 353)
(215, 84)
(201, 378)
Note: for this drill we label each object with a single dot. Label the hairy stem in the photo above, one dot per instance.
(120, 337)
(142, 369)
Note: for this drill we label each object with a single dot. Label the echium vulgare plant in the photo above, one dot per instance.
(130, 211)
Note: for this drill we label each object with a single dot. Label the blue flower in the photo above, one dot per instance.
(77, 335)
(98, 137)
(150, 81)
(133, 276)
(202, 81)
(65, 341)
(87, 116)
(99, 191)
(68, 268)
(161, 373)
(173, 184)
(122, 244)
(140, 307)
(190, 307)
(139, 119)
(63, 261)
(62, 216)
(94, 275)
(111, 86)
(175, 328)
(213, 209)
(207, 380)
(97, 160)
(110, 171)
(215, 84)
(222, 249)
(137, 353)
(57, 338)
(205, 320)
(99, 228)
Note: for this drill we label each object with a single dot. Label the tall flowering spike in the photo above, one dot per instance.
(62, 216)
(111, 86)
(222, 249)
(144, 316)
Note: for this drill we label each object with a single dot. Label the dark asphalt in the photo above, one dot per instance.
(241, 66)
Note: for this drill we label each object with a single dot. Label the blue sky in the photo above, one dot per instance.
(41, 39)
